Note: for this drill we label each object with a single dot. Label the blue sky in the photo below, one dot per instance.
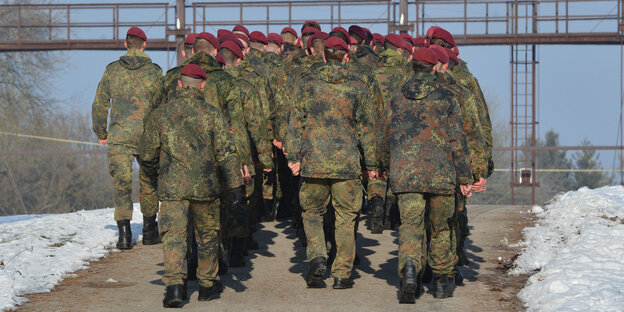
(578, 86)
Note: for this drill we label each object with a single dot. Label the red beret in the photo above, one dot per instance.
(309, 30)
(234, 39)
(357, 30)
(275, 38)
(289, 30)
(193, 71)
(455, 50)
(320, 35)
(232, 46)
(378, 38)
(137, 32)
(367, 31)
(352, 40)
(223, 32)
(452, 55)
(441, 33)
(190, 38)
(336, 43)
(431, 30)
(440, 52)
(425, 55)
(258, 37)
(409, 39)
(208, 37)
(220, 58)
(243, 38)
(241, 28)
(314, 23)
(343, 31)
(397, 41)
(420, 42)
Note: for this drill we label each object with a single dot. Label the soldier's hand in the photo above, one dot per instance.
(295, 167)
(103, 142)
(267, 170)
(465, 189)
(278, 144)
(237, 205)
(373, 175)
(480, 185)
(246, 174)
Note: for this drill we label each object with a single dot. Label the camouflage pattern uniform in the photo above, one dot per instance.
(187, 148)
(131, 88)
(331, 118)
(427, 156)
(366, 55)
(289, 48)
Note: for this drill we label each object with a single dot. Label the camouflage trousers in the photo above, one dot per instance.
(231, 227)
(460, 224)
(346, 197)
(270, 181)
(120, 159)
(173, 226)
(414, 207)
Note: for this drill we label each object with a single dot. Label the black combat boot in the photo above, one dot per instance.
(390, 201)
(223, 267)
(342, 283)
(409, 283)
(315, 275)
(206, 293)
(377, 208)
(459, 277)
(150, 231)
(174, 296)
(427, 274)
(191, 267)
(125, 235)
(443, 287)
(267, 215)
(236, 258)
(275, 207)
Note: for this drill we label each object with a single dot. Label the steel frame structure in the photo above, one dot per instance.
(520, 24)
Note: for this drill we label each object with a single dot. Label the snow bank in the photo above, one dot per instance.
(37, 252)
(577, 247)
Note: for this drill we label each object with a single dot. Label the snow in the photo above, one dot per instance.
(576, 253)
(38, 252)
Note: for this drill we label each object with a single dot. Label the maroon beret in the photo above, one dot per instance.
(309, 30)
(243, 38)
(320, 35)
(314, 23)
(455, 50)
(208, 37)
(396, 40)
(452, 55)
(431, 30)
(232, 46)
(341, 30)
(275, 38)
(234, 39)
(420, 42)
(441, 33)
(220, 59)
(193, 71)
(409, 39)
(367, 31)
(289, 30)
(223, 32)
(378, 38)
(242, 29)
(425, 55)
(137, 32)
(190, 38)
(336, 43)
(352, 41)
(258, 37)
(357, 30)
(440, 52)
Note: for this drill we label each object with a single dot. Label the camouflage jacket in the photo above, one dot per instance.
(366, 55)
(186, 146)
(330, 123)
(471, 125)
(170, 83)
(424, 149)
(131, 88)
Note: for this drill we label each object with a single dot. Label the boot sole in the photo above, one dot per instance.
(442, 295)
(175, 303)
(315, 278)
(408, 293)
(124, 247)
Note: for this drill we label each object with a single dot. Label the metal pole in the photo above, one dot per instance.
(180, 25)
(403, 20)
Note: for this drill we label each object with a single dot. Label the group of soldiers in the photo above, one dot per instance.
(315, 128)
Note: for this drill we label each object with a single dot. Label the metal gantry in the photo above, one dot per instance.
(520, 24)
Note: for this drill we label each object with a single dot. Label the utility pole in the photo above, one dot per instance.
(180, 30)
(403, 16)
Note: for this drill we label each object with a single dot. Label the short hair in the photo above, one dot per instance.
(334, 54)
(190, 81)
(451, 64)
(318, 45)
(339, 35)
(406, 53)
(134, 42)
(288, 37)
(420, 67)
(304, 39)
(228, 56)
(188, 49)
(202, 45)
(357, 38)
(369, 38)
(389, 45)
(441, 42)
(256, 45)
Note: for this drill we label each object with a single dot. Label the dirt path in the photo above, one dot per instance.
(274, 280)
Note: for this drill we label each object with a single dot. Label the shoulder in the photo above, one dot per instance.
(173, 71)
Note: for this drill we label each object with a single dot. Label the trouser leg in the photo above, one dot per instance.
(442, 258)
(206, 222)
(173, 232)
(120, 168)
(412, 230)
(347, 200)
(314, 196)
